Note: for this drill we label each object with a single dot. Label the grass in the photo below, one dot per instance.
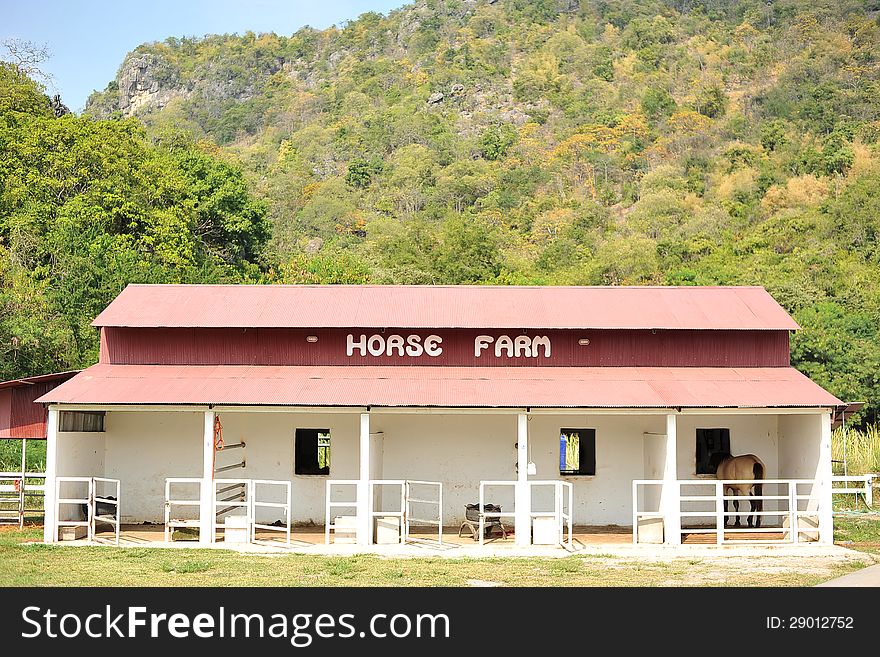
(862, 450)
(10, 455)
(26, 562)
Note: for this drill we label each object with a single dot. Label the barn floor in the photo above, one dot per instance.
(148, 535)
(311, 539)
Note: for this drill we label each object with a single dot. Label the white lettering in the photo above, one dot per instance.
(376, 345)
(134, 621)
(203, 626)
(89, 625)
(414, 345)
(351, 345)
(522, 346)
(278, 629)
(543, 341)
(112, 625)
(504, 342)
(178, 626)
(24, 617)
(154, 625)
(481, 343)
(432, 345)
(76, 623)
(395, 342)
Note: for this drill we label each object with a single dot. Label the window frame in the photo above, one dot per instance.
(589, 445)
(724, 438)
(315, 436)
(78, 418)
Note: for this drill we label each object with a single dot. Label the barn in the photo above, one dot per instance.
(461, 415)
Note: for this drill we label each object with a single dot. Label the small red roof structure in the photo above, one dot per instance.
(20, 417)
(457, 306)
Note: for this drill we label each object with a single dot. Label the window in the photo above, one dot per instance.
(709, 443)
(311, 454)
(92, 421)
(577, 451)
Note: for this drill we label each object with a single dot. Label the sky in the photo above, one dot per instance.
(89, 39)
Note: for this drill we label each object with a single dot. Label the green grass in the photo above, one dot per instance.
(10, 455)
(859, 532)
(26, 562)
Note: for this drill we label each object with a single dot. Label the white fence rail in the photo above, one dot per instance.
(561, 514)
(701, 507)
(176, 499)
(18, 495)
(264, 496)
(430, 496)
(87, 504)
(345, 524)
(855, 485)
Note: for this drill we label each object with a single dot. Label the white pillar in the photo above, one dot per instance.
(523, 498)
(823, 475)
(364, 503)
(206, 499)
(51, 472)
(671, 495)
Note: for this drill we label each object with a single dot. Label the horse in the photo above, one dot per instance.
(744, 466)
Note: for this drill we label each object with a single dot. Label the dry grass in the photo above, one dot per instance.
(862, 450)
(34, 564)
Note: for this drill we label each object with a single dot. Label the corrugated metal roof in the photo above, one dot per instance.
(42, 378)
(551, 387)
(458, 306)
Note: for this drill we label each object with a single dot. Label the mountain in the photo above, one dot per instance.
(554, 142)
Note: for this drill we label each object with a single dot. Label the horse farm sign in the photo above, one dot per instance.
(415, 346)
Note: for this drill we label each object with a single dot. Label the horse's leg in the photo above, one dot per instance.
(726, 517)
(752, 504)
(759, 503)
(736, 508)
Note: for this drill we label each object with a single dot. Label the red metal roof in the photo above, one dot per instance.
(41, 378)
(551, 387)
(458, 306)
(20, 417)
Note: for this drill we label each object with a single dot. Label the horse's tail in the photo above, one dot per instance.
(758, 471)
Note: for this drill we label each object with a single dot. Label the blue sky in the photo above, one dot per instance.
(89, 38)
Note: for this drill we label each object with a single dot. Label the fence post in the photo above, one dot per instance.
(794, 520)
(720, 519)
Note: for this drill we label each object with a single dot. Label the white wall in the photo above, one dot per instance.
(80, 454)
(143, 448)
(461, 450)
(749, 434)
(800, 438)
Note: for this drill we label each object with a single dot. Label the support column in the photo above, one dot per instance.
(523, 498)
(51, 472)
(823, 475)
(671, 496)
(206, 499)
(364, 503)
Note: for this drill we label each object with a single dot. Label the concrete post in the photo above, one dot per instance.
(671, 495)
(51, 472)
(206, 498)
(823, 475)
(364, 503)
(523, 499)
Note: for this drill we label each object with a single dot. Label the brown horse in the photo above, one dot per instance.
(745, 466)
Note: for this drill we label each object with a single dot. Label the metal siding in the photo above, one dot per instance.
(5, 413)
(510, 307)
(551, 387)
(27, 419)
(618, 348)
